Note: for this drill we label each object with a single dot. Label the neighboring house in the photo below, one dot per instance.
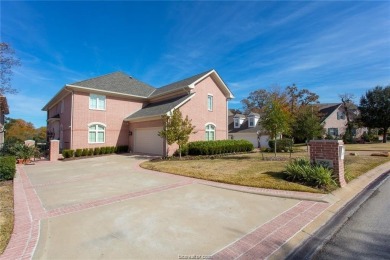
(117, 109)
(4, 110)
(247, 127)
(335, 120)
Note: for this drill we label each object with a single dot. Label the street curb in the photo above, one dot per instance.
(339, 199)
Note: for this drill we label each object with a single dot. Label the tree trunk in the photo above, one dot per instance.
(385, 135)
(179, 152)
(275, 146)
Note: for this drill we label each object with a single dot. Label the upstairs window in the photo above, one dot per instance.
(251, 122)
(210, 102)
(340, 116)
(210, 132)
(236, 123)
(96, 134)
(97, 102)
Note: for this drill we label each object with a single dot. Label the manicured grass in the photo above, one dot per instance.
(251, 170)
(358, 165)
(6, 213)
(246, 169)
(380, 147)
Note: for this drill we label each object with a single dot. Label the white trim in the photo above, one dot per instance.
(210, 123)
(192, 85)
(142, 119)
(97, 123)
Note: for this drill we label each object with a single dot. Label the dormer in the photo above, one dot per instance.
(238, 120)
(253, 119)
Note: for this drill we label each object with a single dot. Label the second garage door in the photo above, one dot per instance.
(146, 140)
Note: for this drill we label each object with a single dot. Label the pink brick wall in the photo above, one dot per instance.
(117, 109)
(329, 150)
(197, 110)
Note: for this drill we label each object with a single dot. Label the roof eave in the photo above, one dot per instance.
(105, 91)
(228, 93)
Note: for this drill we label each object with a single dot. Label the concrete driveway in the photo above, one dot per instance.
(110, 208)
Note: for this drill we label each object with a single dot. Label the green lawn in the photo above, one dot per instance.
(251, 170)
(378, 147)
(6, 213)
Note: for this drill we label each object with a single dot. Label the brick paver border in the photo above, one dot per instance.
(258, 244)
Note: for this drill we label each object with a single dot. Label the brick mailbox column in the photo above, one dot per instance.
(54, 150)
(329, 153)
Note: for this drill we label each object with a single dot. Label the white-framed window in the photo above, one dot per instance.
(251, 122)
(96, 133)
(236, 123)
(97, 102)
(210, 102)
(210, 132)
(340, 115)
(333, 131)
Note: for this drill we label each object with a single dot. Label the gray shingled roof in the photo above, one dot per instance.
(326, 109)
(158, 108)
(179, 84)
(118, 82)
(244, 128)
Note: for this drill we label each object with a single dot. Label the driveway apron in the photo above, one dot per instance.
(109, 207)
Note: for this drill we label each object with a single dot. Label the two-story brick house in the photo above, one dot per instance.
(117, 109)
(4, 110)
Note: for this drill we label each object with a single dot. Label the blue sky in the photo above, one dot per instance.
(328, 47)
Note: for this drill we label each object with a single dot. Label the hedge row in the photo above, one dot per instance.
(281, 145)
(68, 153)
(217, 147)
(7, 167)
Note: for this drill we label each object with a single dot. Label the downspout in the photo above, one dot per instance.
(71, 118)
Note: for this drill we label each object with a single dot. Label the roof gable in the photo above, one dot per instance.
(327, 109)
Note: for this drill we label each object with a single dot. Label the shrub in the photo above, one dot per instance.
(122, 149)
(96, 151)
(67, 153)
(103, 150)
(301, 170)
(85, 152)
(366, 137)
(219, 147)
(112, 150)
(7, 167)
(90, 151)
(78, 152)
(184, 151)
(281, 145)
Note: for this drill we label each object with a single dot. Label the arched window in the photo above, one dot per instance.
(210, 132)
(96, 133)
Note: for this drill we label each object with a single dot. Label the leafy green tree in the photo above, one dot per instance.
(176, 129)
(307, 124)
(276, 118)
(375, 109)
(7, 62)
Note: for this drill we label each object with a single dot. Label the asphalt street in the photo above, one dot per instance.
(366, 234)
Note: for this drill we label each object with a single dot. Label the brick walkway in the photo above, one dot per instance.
(258, 244)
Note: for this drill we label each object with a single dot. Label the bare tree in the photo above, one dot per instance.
(349, 108)
(7, 62)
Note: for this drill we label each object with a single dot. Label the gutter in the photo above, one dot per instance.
(71, 117)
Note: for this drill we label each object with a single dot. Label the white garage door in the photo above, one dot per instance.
(146, 140)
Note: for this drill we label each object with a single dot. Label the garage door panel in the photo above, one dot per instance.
(147, 141)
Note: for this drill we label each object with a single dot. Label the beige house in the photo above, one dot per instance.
(4, 110)
(117, 109)
(335, 120)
